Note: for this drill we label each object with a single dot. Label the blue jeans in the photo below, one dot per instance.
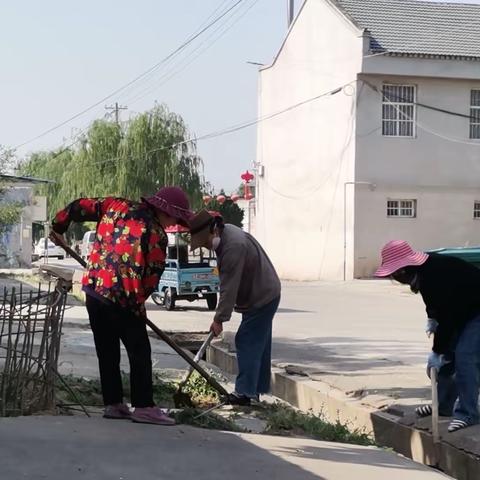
(467, 371)
(447, 389)
(458, 381)
(253, 343)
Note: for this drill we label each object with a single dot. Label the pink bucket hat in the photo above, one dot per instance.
(174, 202)
(398, 254)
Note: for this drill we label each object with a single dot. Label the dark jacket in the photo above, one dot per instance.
(450, 288)
(247, 277)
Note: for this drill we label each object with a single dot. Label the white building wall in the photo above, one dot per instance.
(444, 219)
(440, 168)
(308, 152)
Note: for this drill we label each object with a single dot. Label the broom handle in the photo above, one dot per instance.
(435, 432)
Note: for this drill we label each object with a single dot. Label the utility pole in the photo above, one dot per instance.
(116, 108)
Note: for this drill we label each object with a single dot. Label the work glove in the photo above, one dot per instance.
(436, 360)
(431, 327)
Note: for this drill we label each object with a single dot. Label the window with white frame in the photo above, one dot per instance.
(476, 210)
(398, 110)
(475, 114)
(402, 208)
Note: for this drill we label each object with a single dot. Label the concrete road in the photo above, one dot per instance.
(59, 448)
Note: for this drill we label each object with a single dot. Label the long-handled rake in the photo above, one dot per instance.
(181, 398)
(187, 357)
(435, 429)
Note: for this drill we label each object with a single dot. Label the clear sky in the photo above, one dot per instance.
(59, 57)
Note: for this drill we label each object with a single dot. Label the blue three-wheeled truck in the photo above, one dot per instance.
(184, 279)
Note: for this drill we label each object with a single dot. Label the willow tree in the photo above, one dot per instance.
(135, 159)
(10, 211)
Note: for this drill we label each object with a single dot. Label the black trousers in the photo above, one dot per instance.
(110, 325)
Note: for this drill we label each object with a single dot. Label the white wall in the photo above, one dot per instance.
(440, 168)
(248, 207)
(444, 219)
(308, 153)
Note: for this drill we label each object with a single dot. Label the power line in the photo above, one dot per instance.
(420, 125)
(191, 57)
(221, 7)
(423, 105)
(139, 77)
(237, 127)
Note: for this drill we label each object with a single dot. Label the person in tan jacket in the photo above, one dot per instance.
(250, 285)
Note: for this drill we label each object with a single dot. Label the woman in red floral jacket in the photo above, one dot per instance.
(125, 265)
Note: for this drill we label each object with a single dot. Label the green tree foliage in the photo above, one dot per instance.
(229, 210)
(9, 211)
(130, 160)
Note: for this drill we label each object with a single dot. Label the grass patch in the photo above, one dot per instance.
(201, 393)
(30, 279)
(89, 391)
(282, 419)
(189, 416)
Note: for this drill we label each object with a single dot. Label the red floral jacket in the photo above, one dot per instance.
(128, 254)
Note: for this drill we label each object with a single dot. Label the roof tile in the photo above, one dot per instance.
(418, 27)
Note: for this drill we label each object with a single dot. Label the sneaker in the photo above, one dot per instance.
(153, 415)
(119, 411)
(236, 399)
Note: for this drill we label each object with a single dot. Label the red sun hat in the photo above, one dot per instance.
(174, 202)
(399, 254)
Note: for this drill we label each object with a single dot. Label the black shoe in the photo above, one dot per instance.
(236, 399)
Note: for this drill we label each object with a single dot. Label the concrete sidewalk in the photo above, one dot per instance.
(357, 351)
(59, 448)
(354, 351)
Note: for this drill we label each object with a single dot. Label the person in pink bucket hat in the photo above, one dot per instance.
(124, 267)
(450, 288)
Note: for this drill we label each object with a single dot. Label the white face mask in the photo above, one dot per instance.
(215, 242)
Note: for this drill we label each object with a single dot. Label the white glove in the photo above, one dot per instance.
(437, 361)
(431, 327)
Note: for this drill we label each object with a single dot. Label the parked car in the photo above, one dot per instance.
(87, 244)
(51, 249)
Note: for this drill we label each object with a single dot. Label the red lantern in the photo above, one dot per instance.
(221, 199)
(207, 199)
(248, 195)
(234, 198)
(247, 177)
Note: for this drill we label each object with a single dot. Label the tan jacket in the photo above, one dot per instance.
(248, 279)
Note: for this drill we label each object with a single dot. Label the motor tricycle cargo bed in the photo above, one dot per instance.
(183, 279)
(189, 278)
(192, 281)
